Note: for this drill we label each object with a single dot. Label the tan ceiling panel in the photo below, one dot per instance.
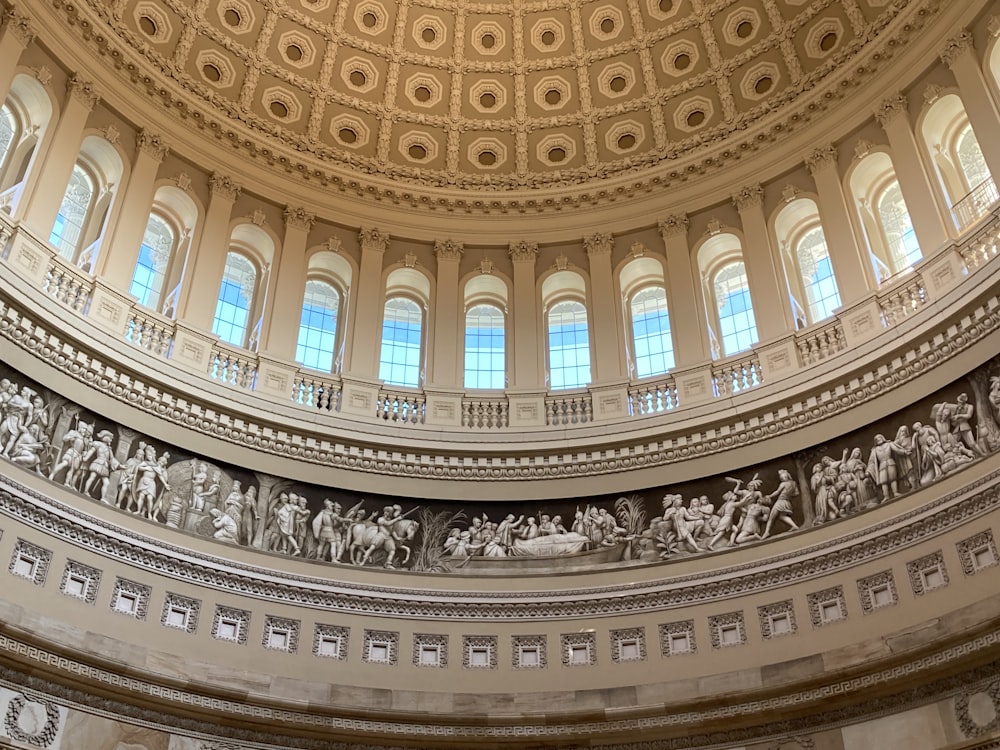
(154, 24)
(429, 32)
(759, 80)
(616, 80)
(488, 39)
(548, 35)
(215, 68)
(556, 149)
(487, 153)
(419, 146)
(625, 136)
(605, 23)
(350, 132)
(280, 104)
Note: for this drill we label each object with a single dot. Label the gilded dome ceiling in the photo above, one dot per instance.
(513, 95)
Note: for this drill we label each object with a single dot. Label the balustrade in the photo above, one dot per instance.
(149, 331)
(488, 413)
(898, 299)
(819, 343)
(316, 391)
(976, 204)
(236, 367)
(568, 409)
(737, 374)
(401, 407)
(652, 397)
(68, 284)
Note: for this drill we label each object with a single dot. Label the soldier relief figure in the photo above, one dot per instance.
(58, 441)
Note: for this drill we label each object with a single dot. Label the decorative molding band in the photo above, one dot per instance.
(895, 685)
(831, 554)
(52, 343)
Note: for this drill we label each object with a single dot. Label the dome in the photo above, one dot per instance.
(538, 374)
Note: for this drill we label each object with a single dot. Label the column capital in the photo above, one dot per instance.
(18, 24)
(821, 158)
(598, 244)
(83, 90)
(224, 186)
(675, 225)
(448, 250)
(523, 251)
(891, 108)
(751, 196)
(152, 144)
(372, 240)
(955, 47)
(299, 218)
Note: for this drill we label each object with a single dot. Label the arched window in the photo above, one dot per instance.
(232, 311)
(151, 265)
(813, 257)
(485, 347)
(68, 228)
(318, 327)
(900, 236)
(9, 132)
(569, 345)
(737, 326)
(971, 159)
(401, 356)
(651, 338)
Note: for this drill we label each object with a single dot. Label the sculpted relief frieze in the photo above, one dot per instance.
(103, 462)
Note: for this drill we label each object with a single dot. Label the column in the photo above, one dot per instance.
(768, 290)
(448, 317)
(604, 299)
(117, 264)
(286, 287)
(15, 37)
(42, 206)
(851, 266)
(200, 285)
(960, 56)
(690, 346)
(527, 373)
(362, 359)
(925, 212)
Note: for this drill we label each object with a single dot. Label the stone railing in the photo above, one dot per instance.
(976, 204)
(36, 264)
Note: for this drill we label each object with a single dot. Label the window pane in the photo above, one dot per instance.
(971, 159)
(8, 129)
(318, 326)
(737, 325)
(68, 226)
(651, 339)
(817, 276)
(569, 346)
(902, 240)
(232, 311)
(484, 348)
(151, 265)
(400, 357)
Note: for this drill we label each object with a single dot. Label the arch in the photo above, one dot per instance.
(806, 257)
(32, 107)
(567, 330)
(953, 149)
(320, 341)
(160, 263)
(883, 214)
(647, 316)
(726, 290)
(240, 303)
(404, 327)
(86, 205)
(485, 333)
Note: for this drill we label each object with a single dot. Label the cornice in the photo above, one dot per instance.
(808, 103)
